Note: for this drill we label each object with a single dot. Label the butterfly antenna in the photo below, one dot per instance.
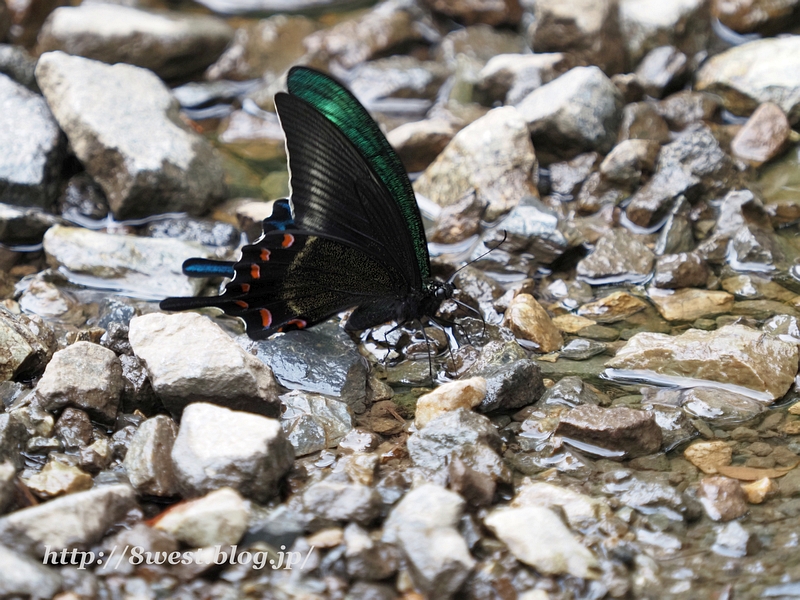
(492, 249)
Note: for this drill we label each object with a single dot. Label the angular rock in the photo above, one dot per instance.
(687, 107)
(617, 306)
(143, 170)
(23, 226)
(688, 304)
(617, 256)
(85, 376)
(528, 320)
(72, 521)
(761, 367)
(148, 461)
(170, 44)
(580, 510)
(420, 142)
(570, 391)
(313, 422)
(219, 447)
(149, 539)
(761, 16)
(629, 160)
(7, 485)
(492, 156)
(641, 121)
(763, 137)
(368, 558)
(707, 456)
(519, 528)
(58, 479)
(190, 359)
(663, 70)
(341, 501)
(510, 383)
(745, 76)
(682, 270)
(12, 438)
(624, 431)
(578, 112)
(21, 576)
(735, 541)
(722, 498)
(219, 517)
(26, 345)
(32, 147)
(18, 64)
(535, 228)
(508, 78)
(466, 393)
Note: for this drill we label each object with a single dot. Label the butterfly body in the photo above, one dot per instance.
(351, 236)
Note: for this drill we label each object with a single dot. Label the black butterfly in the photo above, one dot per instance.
(354, 238)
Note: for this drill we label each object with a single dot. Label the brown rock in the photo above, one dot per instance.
(680, 271)
(458, 221)
(629, 159)
(722, 498)
(686, 107)
(744, 16)
(58, 479)
(764, 135)
(528, 320)
(632, 432)
(641, 121)
(470, 12)
(570, 323)
(420, 142)
(612, 308)
(688, 304)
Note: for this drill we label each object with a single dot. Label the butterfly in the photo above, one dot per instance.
(350, 235)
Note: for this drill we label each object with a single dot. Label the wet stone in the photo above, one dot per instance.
(581, 349)
(322, 360)
(219, 447)
(313, 422)
(688, 304)
(566, 177)
(650, 495)
(219, 517)
(190, 359)
(720, 408)
(617, 256)
(22, 576)
(74, 428)
(680, 271)
(580, 510)
(492, 156)
(466, 393)
(148, 461)
(85, 376)
(12, 438)
(629, 160)
(535, 228)
(169, 44)
(510, 77)
(687, 107)
(57, 479)
(570, 391)
(171, 168)
(32, 147)
(73, 521)
(366, 557)
(577, 112)
(395, 77)
(599, 332)
(641, 121)
(629, 432)
(97, 456)
(663, 70)
(617, 306)
(763, 137)
(734, 541)
(342, 501)
(722, 498)
(528, 320)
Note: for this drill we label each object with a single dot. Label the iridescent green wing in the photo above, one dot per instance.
(341, 108)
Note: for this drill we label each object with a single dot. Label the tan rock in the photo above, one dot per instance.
(572, 323)
(528, 320)
(688, 304)
(758, 491)
(764, 135)
(467, 393)
(707, 456)
(614, 307)
(57, 479)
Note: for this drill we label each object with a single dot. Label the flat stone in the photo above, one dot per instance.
(190, 359)
(763, 137)
(570, 323)
(722, 498)
(617, 306)
(519, 528)
(688, 304)
(682, 270)
(22, 576)
(219, 447)
(164, 167)
(72, 521)
(577, 112)
(745, 76)
(85, 376)
(755, 363)
(620, 429)
(616, 256)
(313, 422)
(170, 44)
(720, 408)
(148, 461)
(219, 517)
(32, 147)
(466, 393)
(528, 320)
(492, 156)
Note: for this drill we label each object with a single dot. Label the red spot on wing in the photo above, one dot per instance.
(288, 240)
(241, 303)
(265, 255)
(299, 323)
(266, 318)
(255, 271)
(245, 287)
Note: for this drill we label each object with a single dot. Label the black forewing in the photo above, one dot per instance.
(335, 192)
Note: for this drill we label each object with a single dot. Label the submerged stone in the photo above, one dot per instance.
(618, 256)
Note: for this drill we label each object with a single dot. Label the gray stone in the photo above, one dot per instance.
(218, 447)
(73, 428)
(159, 168)
(190, 359)
(342, 501)
(624, 431)
(570, 391)
(629, 160)
(492, 157)
(366, 557)
(8, 474)
(12, 438)
(510, 385)
(149, 539)
(32, 147)
(323, 360)
(26, 345)
(687, 107)
(508, 78)
(578, 112)
(170, 44)
(581, 349)
(533, 227)
(649, 495)
(734, 541)
(397, 76)
(23, 226)
(419, 143)
(85, 376)
(73, 521)
(21, 576)
(147, 267)
(313, 422)
(617, 256)
(18, 64)
(720, 408)
(663, 70)
(148, 461)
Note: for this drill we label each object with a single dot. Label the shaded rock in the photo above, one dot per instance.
(458, 221)
(626, 431)
(161, 168)
(72, 521)
(617, 306)
(420, 142)
(366, 557)
(467, 394)
(32, 147)
(763, 137)
(510, 383)
(745, 76)
(617, 256)
(687, 107)
(23, 226)
(675, 271)
(21, 576)
(570, 391)
(314, 422)
(758, 15)
(578, 112)
(7, 485)
(219, 517)
(641, 121)
(508, 78)
(720, 408)
(629, 160)
(761, 366)
(58, 479)
(459, 433)
(169, 44)
(18, 64)
(722, 498)
(528, 320)
(147, 538)
(73, 428)
(470, 12)
(535, 228)
(26, 345)
(586, 29)
(85, 376)
(423, 524)
(12, 438)
(566, 177)
(219, 447)
(492, 156)
(518, 528)
(148, 461)
(342, 501)
(688, 304)
(323, 360)
(190, 359)
(663, 70)
(596, 194)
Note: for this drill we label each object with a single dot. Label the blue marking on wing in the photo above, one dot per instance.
(281, 218)
(204, 267)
